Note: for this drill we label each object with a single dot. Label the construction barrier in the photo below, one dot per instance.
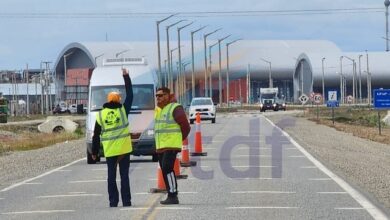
(185, 155)
(198, 138)
(161, 188)
(176, 169)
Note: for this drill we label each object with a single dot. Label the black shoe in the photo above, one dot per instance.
(113, 205)
(170, 201)
(127, 204)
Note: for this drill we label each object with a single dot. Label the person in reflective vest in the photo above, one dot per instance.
(112, 131)
(171, 128)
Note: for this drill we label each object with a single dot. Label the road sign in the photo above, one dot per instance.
(303, 99)
(317, 98)
(332, 104)
(349, 99)
(382, 98)
(332, 95)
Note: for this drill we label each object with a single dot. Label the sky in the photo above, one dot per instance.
(37, 30)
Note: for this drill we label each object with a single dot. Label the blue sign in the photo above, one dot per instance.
(382, 98)
(332, 104)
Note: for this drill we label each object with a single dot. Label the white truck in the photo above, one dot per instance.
(141, 116)
(268, 99)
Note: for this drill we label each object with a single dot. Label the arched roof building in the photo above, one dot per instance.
(296, 65)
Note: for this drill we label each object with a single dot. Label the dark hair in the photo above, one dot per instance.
(165, 90)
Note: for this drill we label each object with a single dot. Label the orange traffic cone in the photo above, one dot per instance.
(198, 138)
(176, 169)
(185, 156)
(161, 188)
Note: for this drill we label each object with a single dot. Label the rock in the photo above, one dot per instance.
(58, 124)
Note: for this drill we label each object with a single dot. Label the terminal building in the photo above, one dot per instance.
(296, 67)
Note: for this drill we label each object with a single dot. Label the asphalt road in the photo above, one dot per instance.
(252, 171)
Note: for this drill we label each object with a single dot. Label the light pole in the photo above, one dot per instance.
(353, 77)
(323, 79)
(168, 50)
(270, 72)
(360, 79)
(158, 46)
(210, 70)
(170, 68)
(227, 70)
(368, 81)
(219, 72)
(65, 67)
(97, 58)
(387, 3)
(178, 45)
(121, 52)
(192, 61)
(341, 81)
(205, 59)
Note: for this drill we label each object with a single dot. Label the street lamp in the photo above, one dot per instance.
(341, 81)
(210, 70)
(360, 79)
(270, 72)
(168, 50)
(387, 3)
(205, 58)
(323, 80)
(158, 46)
(227, 70)
(219, 72)
(353, 76)
(121, 52)
(193, 63)
(368, 81)
(178, 45)
(97, 58)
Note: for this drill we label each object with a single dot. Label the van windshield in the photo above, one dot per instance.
(143, 96)
(201, 102)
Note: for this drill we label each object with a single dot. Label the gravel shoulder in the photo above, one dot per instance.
(364, 164)
(21, 165)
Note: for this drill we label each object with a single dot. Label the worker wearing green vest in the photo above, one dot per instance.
(112, 131)
(171, 128)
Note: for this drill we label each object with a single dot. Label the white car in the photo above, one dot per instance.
(205, 107)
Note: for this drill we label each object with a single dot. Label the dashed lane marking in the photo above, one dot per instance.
(261, 207)
(263, 192)
(87, 181)
(308, 167)
(332, 192)
(374, 211)
(33, 183)
(319, 179)
(42, 175)
(253, 166)
(37, 212)
(69, 195)
(157, 208)
(349, 208)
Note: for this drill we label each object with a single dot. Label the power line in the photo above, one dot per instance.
(237, 13)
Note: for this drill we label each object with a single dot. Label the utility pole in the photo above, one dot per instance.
(193, 62)
(387, 3)
(368, 81)
(360, 79)
(28, 94)
(205, 58)
(210, 70)
(181, 91)
(323, 79)
(227, 71)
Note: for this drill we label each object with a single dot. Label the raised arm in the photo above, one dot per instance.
(129, 90)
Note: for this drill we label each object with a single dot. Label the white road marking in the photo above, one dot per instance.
(37, 212)
(70, 195)
(261, 207)
(255, 178)
(33, 183)
(309, 167)
(291, 148)
(349, 208)
(147, 193)
(247, 155)
(332, 192)
(319, 179)
(1, 198)
(297, 156)
(99, 169)
(374, 211)
(158, 208)
(76, 192)
(139, 208)
(63, 170)
(263, 192)
(42, 175)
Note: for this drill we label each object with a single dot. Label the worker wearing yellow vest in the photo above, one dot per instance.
(112, 131)
(171, 128)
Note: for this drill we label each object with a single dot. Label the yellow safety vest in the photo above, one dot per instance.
(167, 131)
(115, 135)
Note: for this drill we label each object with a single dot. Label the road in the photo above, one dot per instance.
(252, 171)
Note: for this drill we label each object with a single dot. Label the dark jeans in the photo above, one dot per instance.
(167, 161)
(124, 164)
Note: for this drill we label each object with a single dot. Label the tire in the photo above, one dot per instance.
(191, 121)
(213, 120)
(90, 160)
(154, 158)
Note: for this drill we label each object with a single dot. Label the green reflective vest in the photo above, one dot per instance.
(115, 135)
(167, 131)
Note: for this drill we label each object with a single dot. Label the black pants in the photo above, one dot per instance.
(124, 164)
(167, 161)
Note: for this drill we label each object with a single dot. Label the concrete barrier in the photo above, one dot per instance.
(58, 124)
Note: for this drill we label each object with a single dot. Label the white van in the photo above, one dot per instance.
(141, 116)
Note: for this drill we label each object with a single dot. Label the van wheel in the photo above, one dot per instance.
(213, 120)
(90, 160)
(191, 121)
(154, 158)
